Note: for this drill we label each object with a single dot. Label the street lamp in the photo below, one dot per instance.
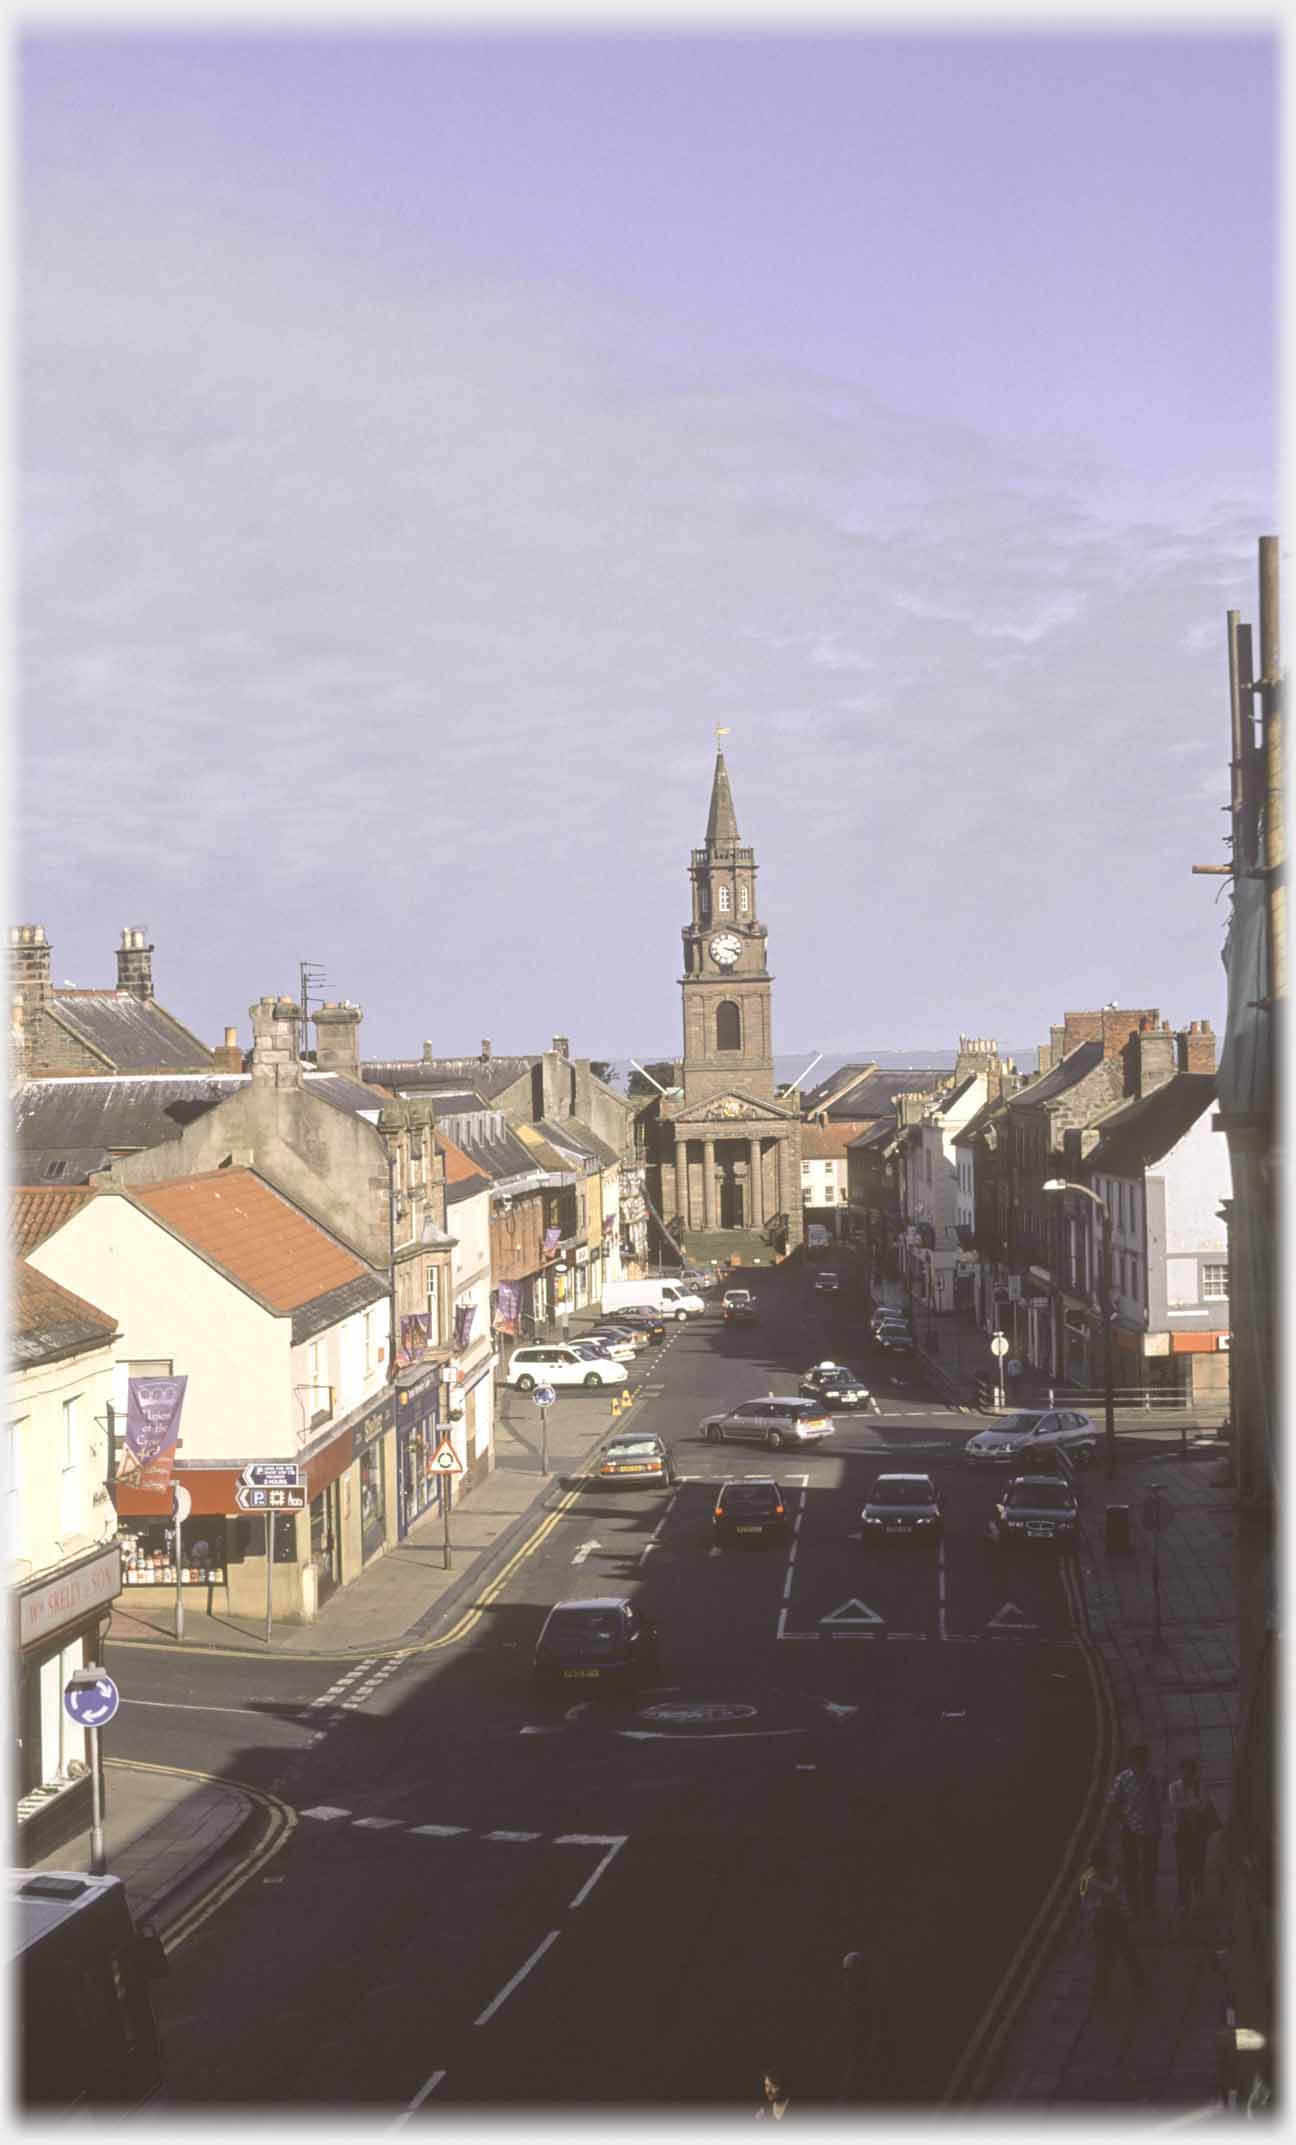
(1061, 1184)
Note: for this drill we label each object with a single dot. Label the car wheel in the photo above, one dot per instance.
(681, 1318)
(526, 1384)
(714, 1434)
(592, 1378)
(774, 1439)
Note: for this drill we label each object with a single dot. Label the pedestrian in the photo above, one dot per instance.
(775, 2104)
(1106, 1910)
(1193, 1816)
(1135, 1795)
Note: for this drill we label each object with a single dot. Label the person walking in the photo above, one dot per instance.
(777, 2100)
(1106, 1910)
(1191, 1812)
(1135, 1795)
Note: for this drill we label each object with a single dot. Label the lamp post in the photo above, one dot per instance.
(1062, 1184)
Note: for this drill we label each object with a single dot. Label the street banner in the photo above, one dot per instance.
(552, 1239)
(415, 1337)
(152, 1431)
(508, 1306)
(463, 1320)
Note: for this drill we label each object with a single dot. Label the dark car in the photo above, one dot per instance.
(739, 1307)
(750, 1510)
(635, 1456)
(605, 1640)
(905, 1505)
(641, 1318)
(836, 1386)
(770, 1421)
(894, 1340)
(1036, 1508)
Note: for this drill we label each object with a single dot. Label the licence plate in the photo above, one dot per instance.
(1042, 1529)
(749, 1530)
(580, 1672)
(896, 1526)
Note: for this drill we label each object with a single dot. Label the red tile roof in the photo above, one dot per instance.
(37, 1210)
(457, 1164)
(255, 1235)
(823, 1143)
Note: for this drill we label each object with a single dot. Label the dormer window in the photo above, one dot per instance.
(724, 901)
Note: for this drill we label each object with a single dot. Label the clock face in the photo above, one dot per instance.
(725, 948)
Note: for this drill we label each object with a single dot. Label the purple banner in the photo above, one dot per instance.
(508, 1307)
(464, 1318)
(415, 1337)
(152, 1431)
(552, 1239)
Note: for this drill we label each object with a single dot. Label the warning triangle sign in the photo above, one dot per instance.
(1011, 1618)
(445, 1460)
(853, 1612)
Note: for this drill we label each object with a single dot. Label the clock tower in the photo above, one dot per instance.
(726, 984)
(729, 1152)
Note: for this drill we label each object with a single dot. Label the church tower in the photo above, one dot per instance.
(729, 1152)
(726, 984)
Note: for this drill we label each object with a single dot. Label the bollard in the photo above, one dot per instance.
(1117, 1538)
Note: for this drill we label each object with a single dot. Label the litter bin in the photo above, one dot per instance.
(1118, 1530)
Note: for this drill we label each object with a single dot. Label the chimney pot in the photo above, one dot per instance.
(485, 1048)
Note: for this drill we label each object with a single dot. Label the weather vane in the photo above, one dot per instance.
(722, 729)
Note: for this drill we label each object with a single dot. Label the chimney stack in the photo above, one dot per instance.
(562, 1046)
(1150, 1060)
(276, 1059)
(227, 1056)
(485, 1049)
(337, 1037)
(1196, 1047)
(135, 963)
(29, 970)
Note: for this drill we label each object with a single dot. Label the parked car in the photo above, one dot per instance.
(826, 1281)
(907, 1505)
(749, 1510)
(620, 1341)
(1034, 1430)
(636, 1456)
(552, 1363)
(604, 1640)
(836, 1386)
(770, 1421)
(886, 1314)
(894, 1339)
(643, 1319)
(1035, 1508)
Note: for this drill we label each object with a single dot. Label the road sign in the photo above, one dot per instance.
(544, 1396)
(445, 1459)
(854, 1612)
(181, 1502)
(998, 1344)
(272, 1475)
(255, 1500)
(90, 1698)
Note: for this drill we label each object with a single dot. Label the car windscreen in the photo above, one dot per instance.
(583, 1627)
(749, 1497)
(838, 1377)
(643, 1448)
(1041, 1496)
(901, 1493)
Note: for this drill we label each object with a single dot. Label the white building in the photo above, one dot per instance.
(471, 1424)
(934, 1201)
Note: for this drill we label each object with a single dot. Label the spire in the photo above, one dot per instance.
(722, 826)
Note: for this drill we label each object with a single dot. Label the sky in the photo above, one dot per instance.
(428, 439)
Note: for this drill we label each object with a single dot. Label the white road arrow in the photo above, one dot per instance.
(584, 1551)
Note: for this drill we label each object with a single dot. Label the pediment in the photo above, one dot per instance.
(733, 1108)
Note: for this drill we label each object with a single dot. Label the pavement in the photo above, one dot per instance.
(1170, 1679)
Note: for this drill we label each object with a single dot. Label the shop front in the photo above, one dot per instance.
(373, 1453)
(61, 1621)
(418, 1433)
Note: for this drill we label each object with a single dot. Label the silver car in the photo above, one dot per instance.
(1009, 1443)
(770, 1421)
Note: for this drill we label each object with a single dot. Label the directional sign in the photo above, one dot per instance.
(853, 1613)
(90, 1698)
(272, 1475)
(254, 1500)
(445, 1460)
(998, 1344)
(544, 1396)
(181, 1502)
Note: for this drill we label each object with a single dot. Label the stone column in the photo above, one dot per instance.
(756, 1199)
(708, 1183)
(784, 1204)
(681, 1181)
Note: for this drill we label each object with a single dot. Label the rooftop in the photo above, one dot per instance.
(253, 1234)
(48, 1321)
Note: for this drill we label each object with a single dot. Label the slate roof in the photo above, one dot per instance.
(481, 1076)
(976, 1124)
(573, 1136)
(488, 1140)
(874, 1093)
(66, 1128)
(547, 1156)
(1075, 1066)
(875, 1136)
(133, 1034)
(462, 1176)
(335, 1304)
(47, 1321)
(254, 1235)
(36, 1211)
(821, 1143)
(1143, 1130)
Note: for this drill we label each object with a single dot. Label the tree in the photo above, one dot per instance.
(662, 1070)
(603, 1069)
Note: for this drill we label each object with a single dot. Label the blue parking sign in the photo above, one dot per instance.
(91, 1698)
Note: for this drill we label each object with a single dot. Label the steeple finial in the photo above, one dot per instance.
(722, 825)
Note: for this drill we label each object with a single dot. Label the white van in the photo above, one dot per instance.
(668, 1297)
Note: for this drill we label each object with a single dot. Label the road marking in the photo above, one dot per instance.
(584, 1551)
(853, 1611)
(169, 1705)
(419, 2098)
(724, 1735)
(519, 1977)
(940, 1587)
(377, 1824)
(437, 1832)
(787, 1583)
(325, 1812)
(1011, 1618)
(614, 1842)
(552, 1728)
(511, 1835)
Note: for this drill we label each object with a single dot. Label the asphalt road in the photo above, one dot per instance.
(495, 1898)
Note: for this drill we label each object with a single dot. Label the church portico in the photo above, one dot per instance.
(732, 1179)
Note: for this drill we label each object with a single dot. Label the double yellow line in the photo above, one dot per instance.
(280, 1824)
(975, 2066)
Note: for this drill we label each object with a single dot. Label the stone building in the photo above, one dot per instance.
(69, 1030)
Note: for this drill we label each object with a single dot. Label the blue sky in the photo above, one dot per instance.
(427, 440)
